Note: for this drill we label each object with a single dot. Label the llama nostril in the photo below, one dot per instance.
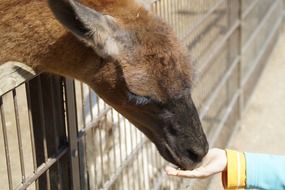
(173, 131)
(194, 156)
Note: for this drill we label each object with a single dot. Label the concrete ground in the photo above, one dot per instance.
(263, 124)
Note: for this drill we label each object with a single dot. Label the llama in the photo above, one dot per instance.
(127, 55)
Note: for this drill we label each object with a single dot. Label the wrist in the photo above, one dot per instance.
(234, 174)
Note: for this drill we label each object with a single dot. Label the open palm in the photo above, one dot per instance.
(214, 162)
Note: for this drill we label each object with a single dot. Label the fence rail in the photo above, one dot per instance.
(56, 133)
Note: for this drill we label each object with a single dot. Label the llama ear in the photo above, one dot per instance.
(88, 25)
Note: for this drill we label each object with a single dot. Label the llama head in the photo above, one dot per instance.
(146, 75)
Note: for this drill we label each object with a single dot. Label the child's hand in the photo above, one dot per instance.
(214, 162)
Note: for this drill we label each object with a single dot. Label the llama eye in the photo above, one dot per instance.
(139, 100)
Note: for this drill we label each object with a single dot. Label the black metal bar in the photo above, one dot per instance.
(72, 133)
(45, 103)
(60, 131)
(32, 140)
(50, 133)
(83, 164)
(38, 123)
(55, 135)
(83, 114)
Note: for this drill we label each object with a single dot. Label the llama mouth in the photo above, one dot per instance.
(172, 154)
(179, 162)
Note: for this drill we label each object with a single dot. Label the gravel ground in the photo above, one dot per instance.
(263, 125)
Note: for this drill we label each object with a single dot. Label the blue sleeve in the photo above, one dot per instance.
(265, 171)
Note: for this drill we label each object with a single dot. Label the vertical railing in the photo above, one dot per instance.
(39, 130)
(72, 133)
(6, 145)
(240, 71)
(45, 97)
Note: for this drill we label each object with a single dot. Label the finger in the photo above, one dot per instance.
(190, 174)
(180, 173)
(171, 171)
(197, 173)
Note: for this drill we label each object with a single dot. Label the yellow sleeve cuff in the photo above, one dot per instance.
(234, 177)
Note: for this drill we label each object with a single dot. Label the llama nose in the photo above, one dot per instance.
(195, 155)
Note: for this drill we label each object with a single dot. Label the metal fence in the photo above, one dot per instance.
(56, 133)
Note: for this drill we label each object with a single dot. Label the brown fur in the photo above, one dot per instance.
(116, 8)
(30, 34)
